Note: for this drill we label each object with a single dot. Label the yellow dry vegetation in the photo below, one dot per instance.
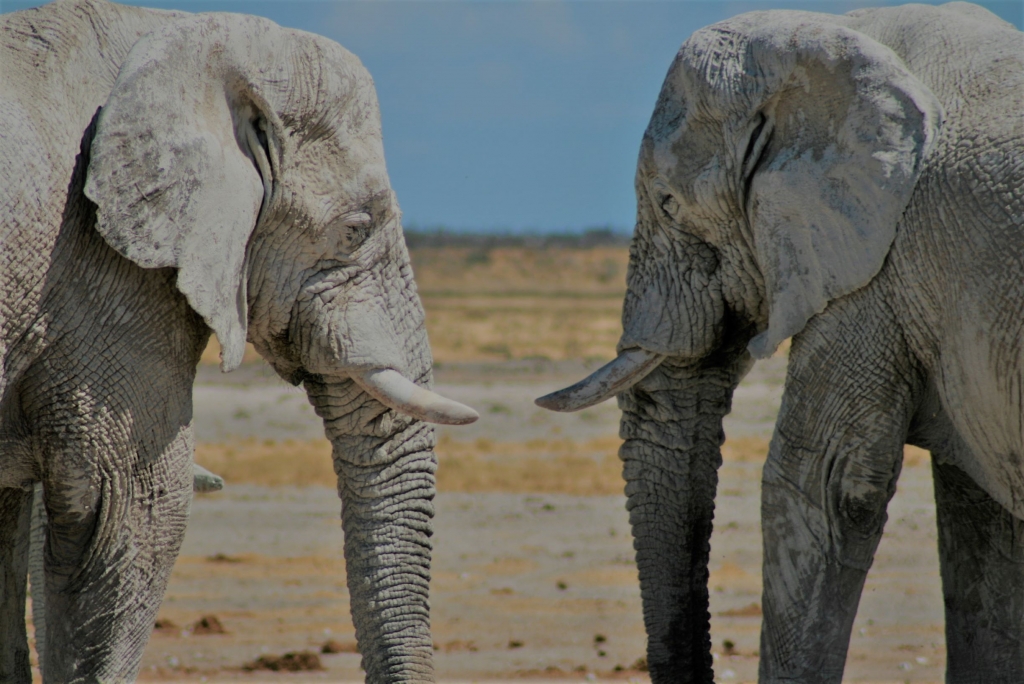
(211, 355)
(563, 466)
(515, 302)
(521, 270)
(519, 302)
(269, 462)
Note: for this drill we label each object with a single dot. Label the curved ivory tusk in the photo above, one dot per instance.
(629, 368)
(394, 390)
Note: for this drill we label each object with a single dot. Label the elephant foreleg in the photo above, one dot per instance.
(202, 481)
(981, 556)
(831, 471)
(15, 510)
(108, 555)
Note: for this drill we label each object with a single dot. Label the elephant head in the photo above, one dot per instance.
(249, 158)
(771, 180)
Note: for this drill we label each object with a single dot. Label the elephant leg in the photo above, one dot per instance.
(112, 539)
(831, 471)
(15, 510)
(981, 556)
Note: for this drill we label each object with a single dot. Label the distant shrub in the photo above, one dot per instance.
(482, 242)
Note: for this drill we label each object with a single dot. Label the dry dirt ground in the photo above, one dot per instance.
(533, 574)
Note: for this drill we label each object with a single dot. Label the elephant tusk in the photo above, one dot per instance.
(629, 368)
(394, 390)
(205, 481)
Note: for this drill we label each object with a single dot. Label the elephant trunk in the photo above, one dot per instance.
(672, 427)
(385, 466)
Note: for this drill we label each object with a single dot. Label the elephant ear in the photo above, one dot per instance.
(177, 170)
(846, 130)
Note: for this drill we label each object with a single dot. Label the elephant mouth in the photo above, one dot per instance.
(397, 392)
(630, 367)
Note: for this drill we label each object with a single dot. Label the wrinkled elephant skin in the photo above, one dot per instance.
(856, 183)
(165, 175)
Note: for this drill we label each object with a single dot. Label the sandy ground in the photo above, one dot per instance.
(526, 584)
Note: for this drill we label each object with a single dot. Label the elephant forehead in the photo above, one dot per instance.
(333, 179)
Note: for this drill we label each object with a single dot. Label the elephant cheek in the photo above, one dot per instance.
(672, 318)
(357, 334)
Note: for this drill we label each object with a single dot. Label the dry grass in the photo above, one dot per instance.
(515, 303)
(211, 355)
(598, 271)
(270, 463)
(564, 466)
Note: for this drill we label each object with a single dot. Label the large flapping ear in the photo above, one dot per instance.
(180, 163)
(846, 130)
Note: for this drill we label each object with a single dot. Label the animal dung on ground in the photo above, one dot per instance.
(332, 646)
(457, 645)
(208, 624)
(301, 661)
(223, 558)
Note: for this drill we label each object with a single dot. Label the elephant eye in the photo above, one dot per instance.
(354, 228)
(670, 206)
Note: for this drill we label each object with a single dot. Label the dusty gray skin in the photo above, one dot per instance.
(228, 175)
(202, 481)
(856, 182)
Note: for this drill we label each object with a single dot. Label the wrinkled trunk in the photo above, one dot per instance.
(385, 466)
(37, 572)
(672, 427)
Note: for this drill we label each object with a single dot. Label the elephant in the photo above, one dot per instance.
(166, 176)
(203, 481)
(855, 183)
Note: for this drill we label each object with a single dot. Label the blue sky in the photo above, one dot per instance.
(514, 115)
